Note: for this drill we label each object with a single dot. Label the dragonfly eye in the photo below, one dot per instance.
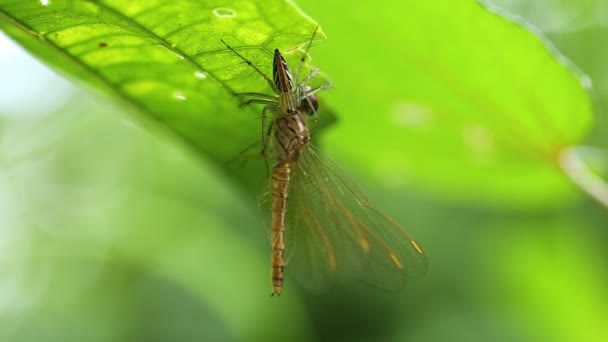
(309, 105)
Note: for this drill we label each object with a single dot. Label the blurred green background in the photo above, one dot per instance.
(111, 231)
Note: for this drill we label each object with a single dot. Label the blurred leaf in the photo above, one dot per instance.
(451, 96)
(565, 15)
(166, 58)
(579, 30)
(553, 282)
(138, 204)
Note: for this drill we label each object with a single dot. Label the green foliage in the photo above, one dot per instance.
(483, 118)
(113, 232)
(463, 99)
(165, 59)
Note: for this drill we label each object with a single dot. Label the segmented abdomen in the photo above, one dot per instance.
(281, 177)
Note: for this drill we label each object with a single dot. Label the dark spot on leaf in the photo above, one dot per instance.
(103, 45)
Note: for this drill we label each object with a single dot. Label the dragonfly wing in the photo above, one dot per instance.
(332, 230)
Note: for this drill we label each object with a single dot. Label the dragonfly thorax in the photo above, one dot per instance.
(291, 135)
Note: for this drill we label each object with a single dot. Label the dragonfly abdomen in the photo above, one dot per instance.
(281, 179)
(290, 137)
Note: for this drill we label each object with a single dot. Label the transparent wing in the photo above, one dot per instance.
(333, 229)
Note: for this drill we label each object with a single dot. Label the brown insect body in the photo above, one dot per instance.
(331, 226)
(291, 136)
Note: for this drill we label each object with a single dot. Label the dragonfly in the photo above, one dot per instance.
(322, 225)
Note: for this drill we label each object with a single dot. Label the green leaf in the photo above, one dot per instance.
(444, 95)
(165, 58)
(449, 96)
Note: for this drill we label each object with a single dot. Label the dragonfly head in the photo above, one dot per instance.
(309, 104)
